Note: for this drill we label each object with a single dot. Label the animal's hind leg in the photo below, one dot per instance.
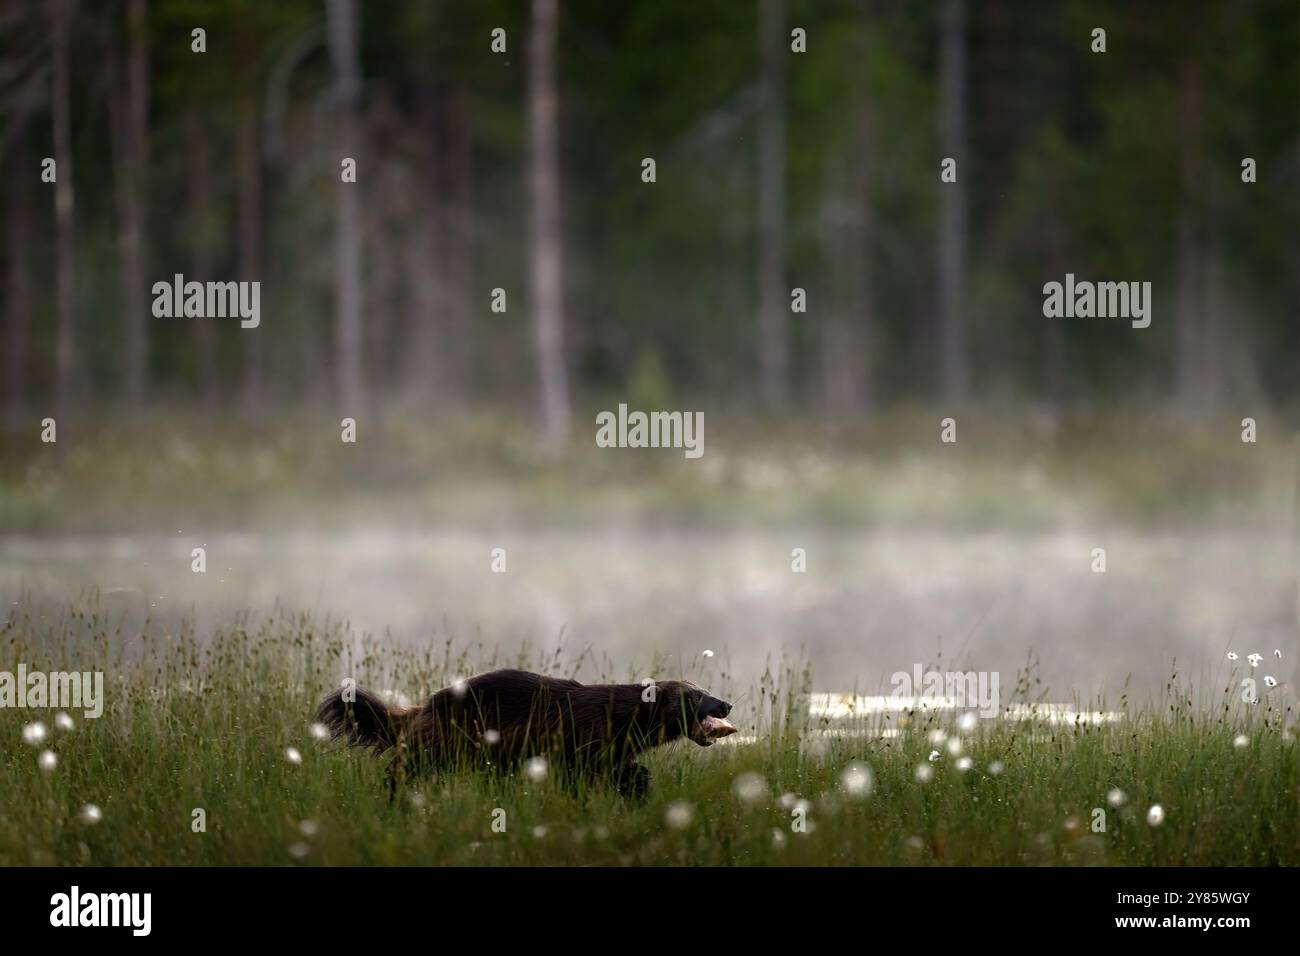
(398, 768)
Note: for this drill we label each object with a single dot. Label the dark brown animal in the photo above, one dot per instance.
(505, 717)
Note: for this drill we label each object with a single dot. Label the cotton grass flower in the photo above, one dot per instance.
(91, 814)
(856, 780)
(749, 787)
(47, 761)
(996, 767)
(293, 755)
(1277, 652)
(460, 687)
(967, 722)
(309, 828)
(708, 653)
(954, 746)
(63, 722)
(1116, 797)
(936, 737)
(679, 814)
(1255, 659)
(1240, 741)
(299, 851)
(535, 769)
(1270, 681)
(1232, 656)
(924, 773)
(320, 732)
(778, 839)
(34, 733)
(491, 737)
(1156, 815)
(964, 763)
(539, 832)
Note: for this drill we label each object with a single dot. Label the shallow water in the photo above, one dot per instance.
(869, 604)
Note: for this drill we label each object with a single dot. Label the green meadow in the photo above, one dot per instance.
(220, 722)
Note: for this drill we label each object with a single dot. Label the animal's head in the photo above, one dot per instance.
(683, 709)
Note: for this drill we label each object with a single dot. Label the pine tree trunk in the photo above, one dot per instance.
(347, 226)
(1191, 248)
(458, 276)
(65, 348)
(200, 229)
(546, 240)
(135, 202)
(954, 371)
(773, 306)
(249, 202)
(343, 28)
(424, 266)
(18, 306)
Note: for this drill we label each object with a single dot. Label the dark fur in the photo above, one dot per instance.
(592, 729)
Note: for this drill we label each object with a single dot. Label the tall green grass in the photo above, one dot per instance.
(205, 721)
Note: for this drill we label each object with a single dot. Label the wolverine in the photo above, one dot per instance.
(504, 717)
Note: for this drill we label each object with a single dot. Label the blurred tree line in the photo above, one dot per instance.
(521, 169)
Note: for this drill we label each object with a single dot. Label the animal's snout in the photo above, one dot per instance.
(714, 707)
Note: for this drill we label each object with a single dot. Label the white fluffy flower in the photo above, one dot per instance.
(34, 733)
(857, 780)
(749, 787)
(679, 814)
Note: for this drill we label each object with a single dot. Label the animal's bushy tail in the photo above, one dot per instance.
(362, 718)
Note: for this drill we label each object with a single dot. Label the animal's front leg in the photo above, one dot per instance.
(634, 781)
(396, 777)
(399, 768)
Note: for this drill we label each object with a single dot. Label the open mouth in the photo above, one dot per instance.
(711, 729)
